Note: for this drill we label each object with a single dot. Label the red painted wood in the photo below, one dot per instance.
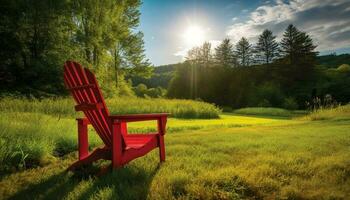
(83, 140)
(120, 147)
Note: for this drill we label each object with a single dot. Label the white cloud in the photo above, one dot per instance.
(327, 21)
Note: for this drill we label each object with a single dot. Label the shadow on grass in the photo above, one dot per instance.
(131, 182)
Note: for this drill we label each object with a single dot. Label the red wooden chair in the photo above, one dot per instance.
(119, 146)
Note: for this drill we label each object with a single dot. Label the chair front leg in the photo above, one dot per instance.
(83, 139)
(161, 132)
(117, 130)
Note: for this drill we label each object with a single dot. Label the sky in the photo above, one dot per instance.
(172, 27)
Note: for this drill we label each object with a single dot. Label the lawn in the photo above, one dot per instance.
(234, 157)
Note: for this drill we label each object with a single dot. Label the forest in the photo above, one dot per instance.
(269, 73)
(103, 36)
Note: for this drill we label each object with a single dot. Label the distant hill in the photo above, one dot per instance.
(160, 78)
(164, 73)
(333, 61)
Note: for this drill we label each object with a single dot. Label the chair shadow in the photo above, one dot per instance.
(54, 187)
(125, 183)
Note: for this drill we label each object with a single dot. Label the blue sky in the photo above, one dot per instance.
(171, 27)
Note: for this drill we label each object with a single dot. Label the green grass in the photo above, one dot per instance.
(234, 157)
(188, 109)
(266, 111)
(337, 113)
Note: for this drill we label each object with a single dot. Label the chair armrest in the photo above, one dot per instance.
(138, 117)
(160, 117)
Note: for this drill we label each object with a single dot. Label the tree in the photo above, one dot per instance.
(34, 44)
(267, 46)
(38, 36)
(224, 54)
(244, 52)
(297, 47)
(108, 28)
(200, 55)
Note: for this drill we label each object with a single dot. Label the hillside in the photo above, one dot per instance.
(164, 73)
(332, 60)
(160, 78)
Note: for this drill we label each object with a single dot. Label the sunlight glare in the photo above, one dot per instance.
(194, 36)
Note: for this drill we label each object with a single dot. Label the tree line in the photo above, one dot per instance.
(268, 73)
(37, 37)
(295, 47)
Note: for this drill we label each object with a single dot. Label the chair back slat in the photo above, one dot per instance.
(87, 95)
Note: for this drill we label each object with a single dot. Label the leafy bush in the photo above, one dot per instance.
(141, 90)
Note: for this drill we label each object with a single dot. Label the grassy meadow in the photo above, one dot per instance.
(252, 155)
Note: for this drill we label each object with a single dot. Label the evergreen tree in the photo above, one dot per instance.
(297, 47)
(224, 54)
(267, 46)
(244, 52)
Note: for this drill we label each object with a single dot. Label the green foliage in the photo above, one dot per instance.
(141, 90)
(267, 95)
(40, 36)
(160, 78)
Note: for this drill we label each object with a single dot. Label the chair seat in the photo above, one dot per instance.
(136, 141)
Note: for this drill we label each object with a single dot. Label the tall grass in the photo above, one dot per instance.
(65, 107)
(339, 112)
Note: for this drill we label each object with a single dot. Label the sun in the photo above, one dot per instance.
(194, 35)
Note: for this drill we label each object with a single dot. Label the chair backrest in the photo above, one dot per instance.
(87, 95)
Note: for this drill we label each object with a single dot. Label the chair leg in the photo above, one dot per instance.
(117, 130)
(100, 153)
(83, 143)
(161, 148)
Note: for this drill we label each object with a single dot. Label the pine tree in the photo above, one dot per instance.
(297, 47)
(244, 52)
(224, 54)
(267, 46)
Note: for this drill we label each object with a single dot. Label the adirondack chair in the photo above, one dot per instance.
(119, 146)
